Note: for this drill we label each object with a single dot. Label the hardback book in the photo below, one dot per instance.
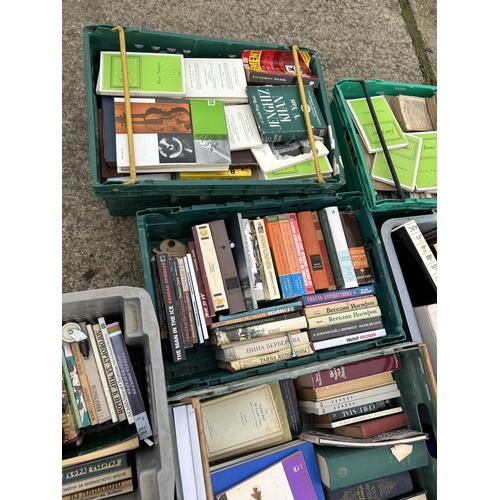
(158, 301)
(134, 395)
(331, 419)
(243, 158)
(279, 155)
(290, 399)
(277, 67)
(188, 300)
(270, 276)
(227, 266)
(215, 328)
(278, 252)
(241, 127)
(71, 433)
(116, 369)
(220, 78)
(201, 326)
(105, 478)
(280, 406)
(344, 317)
(240, 422)
(380, 488)
(339, 306)
(232, 174)
(105, 491)
(301, 254)
(207, 305)
(289, 478)
(173, 135)
(405, 161)
(175, 338)
(324, 251)
(330, 217)
(373, 427)
(266, 359)
(350, 371)
(427, 176)
(257, 278)
(279, 115)
(330, 296)
(232, 472)
(357, 419)
(347, 387)
(210, 269)
(312, 250)
(345, 329)
(302, 170)
(412, 113)
(391, 129)
(180, 301)
(95, 468)
(381, 460)
(149, 74)
(356, 247)
(426, 317)
(350, 339)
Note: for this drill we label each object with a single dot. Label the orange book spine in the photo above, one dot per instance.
(324, 253)
(299, 245)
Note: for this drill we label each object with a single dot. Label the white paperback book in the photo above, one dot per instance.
(242, 127)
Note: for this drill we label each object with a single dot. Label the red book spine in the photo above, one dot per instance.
(304, 266)
(370, 428)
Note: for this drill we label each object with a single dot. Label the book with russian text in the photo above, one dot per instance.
(345, 329)
(322, 297)
(373, 427)
(350, 339)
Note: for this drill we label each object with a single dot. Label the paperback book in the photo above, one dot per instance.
(303, 170)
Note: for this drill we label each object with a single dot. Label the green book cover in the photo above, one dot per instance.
(405, 161)
(427, 166)
(154, 75)
(301, 170)
(391, 130)
(279, 115)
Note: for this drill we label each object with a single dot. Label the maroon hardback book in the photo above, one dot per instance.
(369, 428)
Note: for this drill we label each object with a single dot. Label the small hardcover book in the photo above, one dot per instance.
(330, 296)
(151, 75)
(279, 115)
(183, 324)
(370, 428)
(339, 306)
(356, 419)
(324, 251)
(257, 277)
(391, 130)
(350, 339)
(334, 417)
(345, 329)
(427, 165)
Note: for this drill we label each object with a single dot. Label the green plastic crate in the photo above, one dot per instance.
(357, 177)
(199, 370)
(128, 199)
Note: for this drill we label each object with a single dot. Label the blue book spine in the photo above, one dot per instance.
(286, 286)
(322, 297)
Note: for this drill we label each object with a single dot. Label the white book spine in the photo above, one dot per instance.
(350, 339)
(197, 299)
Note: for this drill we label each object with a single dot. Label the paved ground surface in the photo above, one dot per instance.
(391, 40)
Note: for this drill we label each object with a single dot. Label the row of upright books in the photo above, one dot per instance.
(103, 413)
(210, 118)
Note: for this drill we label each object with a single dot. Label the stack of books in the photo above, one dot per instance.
(103, 413)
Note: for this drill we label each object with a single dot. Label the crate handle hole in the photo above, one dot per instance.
(171, 49)
(155, 47)
(187, 51)
(139, 46)
(171, 374)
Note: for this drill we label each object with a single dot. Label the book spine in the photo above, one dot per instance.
(287, 387)
(102, 373)
(108, 490)
(299, 245)
(287, 325)
(291, 255)
(370, 428)
(70, 390)
(199, 314)
(256, 276)
(206, 304)
(356, 247)
(116, 370)
(160, 312)
(211, 274)
(330, 248)
(175, 338)
(330, 296)
(192, 326)
(180, 303)
(71, 432)
(95, 468)
(110, 375)
(276, 245)
(343, 329)
(350, 339)
(351, 371)
(341, 415)
(356, 419)
(77, 486)
(140, 417)
(343, 317)
(258, 321)
(274, 357)
(227, 266)
(340, 306)
(341, 247)
(270, 278)
(95, 383)
(84, 381)
(76, 384)
(263, 78)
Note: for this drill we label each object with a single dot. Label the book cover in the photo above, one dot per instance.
(220, 78)
(340, 467)
(194, 262)
(412, 112)
(405, 161)
(345, 329)
(329, 245)
(241, 127)
(330, 296)
(323, 250)
(95, 468)
(290, 400)
(134, 395)
(277, 67)
(344, 317)
(362, 118)
(257, 276)
(339, 306)
(71, 432)
(299, 246)
(359, 257)
(279, 155)
(361, 418)
(190, 308)
(427, 177)
(350, 371)
(350, 339)
(173, 135)
(373, 427)
(258, 422)
(346, 387)
(269, 273)
(280, 406)
(106, 478)
(279, 115)
(302, 170)
(185, 332)
(288, 479)
(227, 266)
(329, 419)
(201, 326)
(158, 301)
(149, 75)
(176, 340)
(106, 491)
(381, 488)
